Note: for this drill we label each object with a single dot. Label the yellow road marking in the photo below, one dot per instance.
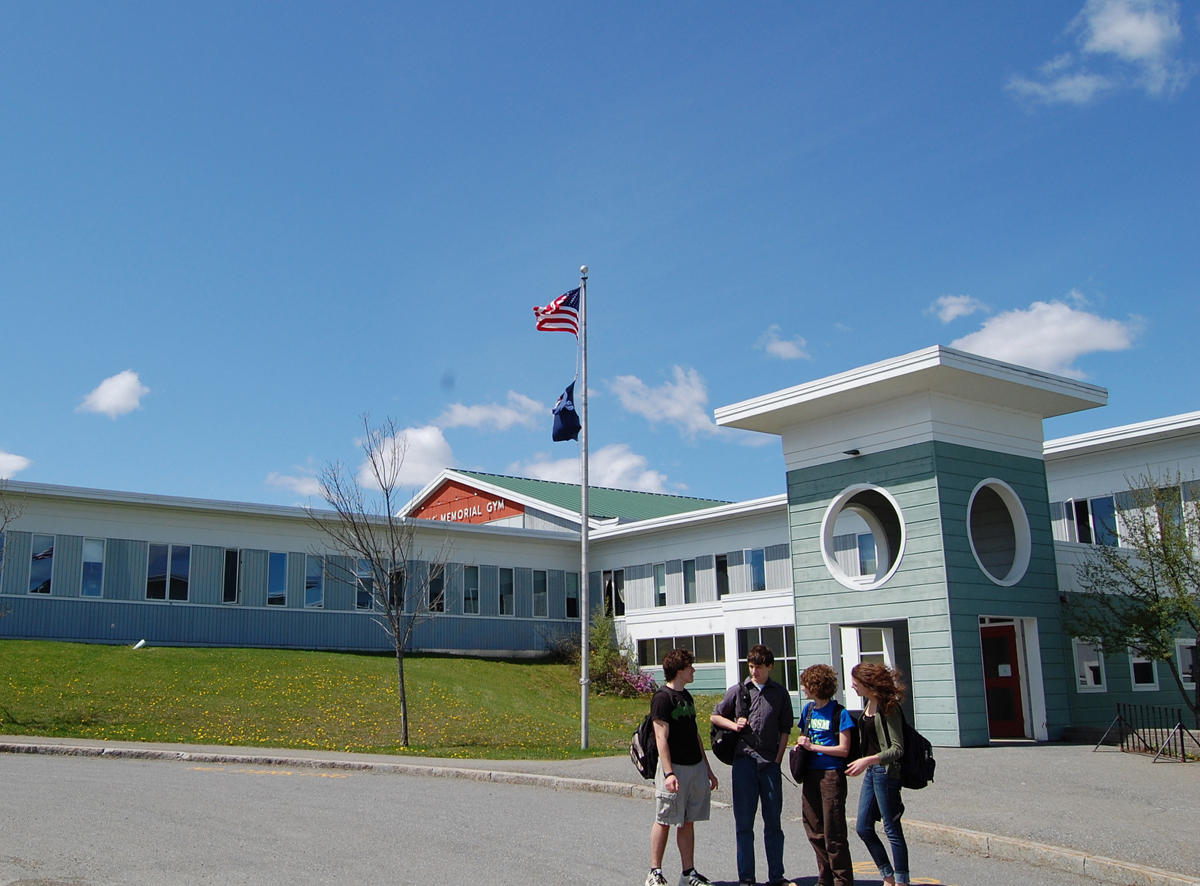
(867, 867)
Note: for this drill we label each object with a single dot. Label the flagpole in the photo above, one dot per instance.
(585, 606)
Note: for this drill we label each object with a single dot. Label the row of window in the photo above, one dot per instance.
(614, 581)
(1143, 672)
(168, 573)
(708, 649)
(1095, 521)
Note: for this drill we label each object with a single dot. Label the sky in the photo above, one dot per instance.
(230, 231)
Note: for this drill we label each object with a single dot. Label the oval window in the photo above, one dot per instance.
(862, 537)
(998, 530)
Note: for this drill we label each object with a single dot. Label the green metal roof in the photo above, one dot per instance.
(602, 503)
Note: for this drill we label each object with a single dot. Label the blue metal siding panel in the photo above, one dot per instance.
(18, 548)
(523, 592)
(556, 588)
(68, 566)
(207, 584)
(489, 590)
(125, 569)
(341, 586)
(254, 577)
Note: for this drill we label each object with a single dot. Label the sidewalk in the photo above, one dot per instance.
(1106, 804)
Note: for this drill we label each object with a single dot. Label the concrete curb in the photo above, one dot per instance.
(1096, 867)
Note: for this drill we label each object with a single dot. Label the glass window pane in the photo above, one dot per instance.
(663, 645)
(789, 637)
(789, 670)
(540, 597)
(870, 640)
(747, 637)
(689, 581)
(772, 638)
(471, 590)
(156, 573)
(688, 643)
(660, 584)
(364, 596)
(507, 606)
(41, 566)
(437, 592)
(93, 568)
(645, 650)
(705, 649)
(231, 591)
(1104, 521)
(758, 570)
(276, 579)
(722, 575)
(721, 648)
(314, 582)
(572, 581)
(181, 567)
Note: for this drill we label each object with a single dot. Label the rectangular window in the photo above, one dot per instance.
(41, 565)
(1089, 668)
(572, 583)
(1186, 650)
(1083, 522)
(314, 582)
(708, 649)
(866, 554)
(232, 589)
(689, 581)
(507, 604)
(1143, 672)
(540, 599)
(398, 589)
(168, 570)
(756, 560)
(660, 584)
(722, 575)
(471, 590)
(93, 568)
(364, 579)
(614, 592)
(437, 591)
(782, 643)
(1104, 521)
(276, 579)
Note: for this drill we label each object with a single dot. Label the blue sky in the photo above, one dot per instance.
(229, 230)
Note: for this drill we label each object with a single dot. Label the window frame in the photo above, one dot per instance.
(83, 568)
(277, 596)
(470, 598)
(1102, 686)
(1182, 644)
(756, 565)
(721, 574)
(570, 598)
(312, 574)
(171, 580)
(660, 585)
(1134, 661)
(544, 595)
(236, 576)
(436, 599)
(364, 583)
(689, 582)
(511, 595)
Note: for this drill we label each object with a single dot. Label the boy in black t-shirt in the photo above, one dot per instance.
(684, 782)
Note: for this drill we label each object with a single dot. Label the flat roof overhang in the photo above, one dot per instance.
(938, 370)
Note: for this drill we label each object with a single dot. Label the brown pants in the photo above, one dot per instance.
(825, 823)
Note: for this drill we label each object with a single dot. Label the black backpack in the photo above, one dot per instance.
(643, 749)
(916, 768)
(724, 742)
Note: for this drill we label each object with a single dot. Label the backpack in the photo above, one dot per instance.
(917, 765)
(724, 742)
(643, 749)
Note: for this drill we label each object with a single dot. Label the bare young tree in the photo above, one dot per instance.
(1145, 594)
(365, 527)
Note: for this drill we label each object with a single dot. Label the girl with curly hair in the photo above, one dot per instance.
(881, 740)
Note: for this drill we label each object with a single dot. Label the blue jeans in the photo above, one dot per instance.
(752, 783)
(880, 799)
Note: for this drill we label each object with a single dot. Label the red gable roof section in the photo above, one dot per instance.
(456, 502)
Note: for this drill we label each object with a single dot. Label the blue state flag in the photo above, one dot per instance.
(566, 419)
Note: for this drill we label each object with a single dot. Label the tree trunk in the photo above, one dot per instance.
(403, 698)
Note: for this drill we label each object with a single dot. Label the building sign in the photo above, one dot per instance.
(455, 502)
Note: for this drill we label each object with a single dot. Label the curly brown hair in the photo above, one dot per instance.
(881, 683)
(819, 681)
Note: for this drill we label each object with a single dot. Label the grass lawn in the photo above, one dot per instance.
(458, 707)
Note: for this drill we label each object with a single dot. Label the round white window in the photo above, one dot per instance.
(862, 537)
(998, 529)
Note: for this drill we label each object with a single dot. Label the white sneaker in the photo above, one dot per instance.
(656, 878)
(695, 878)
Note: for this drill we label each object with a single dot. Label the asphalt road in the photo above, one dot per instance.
(82, 821)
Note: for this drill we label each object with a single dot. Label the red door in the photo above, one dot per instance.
(1002, 681)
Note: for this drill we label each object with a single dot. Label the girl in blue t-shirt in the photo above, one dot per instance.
(825, 735)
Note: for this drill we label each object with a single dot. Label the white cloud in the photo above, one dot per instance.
(683, 402)
(1136, 42)
(951, 307)
(1048, 336)
(304, 484)
(521, 410)
(615, 466)
(11, 464)
(784, 349)
(423, 453)
(116, 395)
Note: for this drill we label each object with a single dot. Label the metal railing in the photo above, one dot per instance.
(1150, 729)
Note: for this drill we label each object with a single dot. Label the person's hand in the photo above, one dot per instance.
(712, 780)
(857, 767)
(741, 723)
(671, 784)
(804, 742)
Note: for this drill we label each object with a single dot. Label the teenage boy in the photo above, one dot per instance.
(757, 775)
(827, 741)
(684, 782)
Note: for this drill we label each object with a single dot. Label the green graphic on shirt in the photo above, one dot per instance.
(683, 710)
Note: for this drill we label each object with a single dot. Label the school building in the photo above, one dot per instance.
(926, 524)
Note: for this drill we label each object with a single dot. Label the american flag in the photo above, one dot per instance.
(561, 315)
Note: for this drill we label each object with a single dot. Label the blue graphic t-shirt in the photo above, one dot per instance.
(823, 732)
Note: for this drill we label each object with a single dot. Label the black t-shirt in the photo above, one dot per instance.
(868, 738)
(676, 708)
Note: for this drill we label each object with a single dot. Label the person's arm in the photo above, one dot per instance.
(784, 737)
(727, 705)
(785, 724)
(661, 729)
(895, 736)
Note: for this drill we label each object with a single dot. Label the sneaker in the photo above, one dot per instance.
(695, 878)
(656, 878)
